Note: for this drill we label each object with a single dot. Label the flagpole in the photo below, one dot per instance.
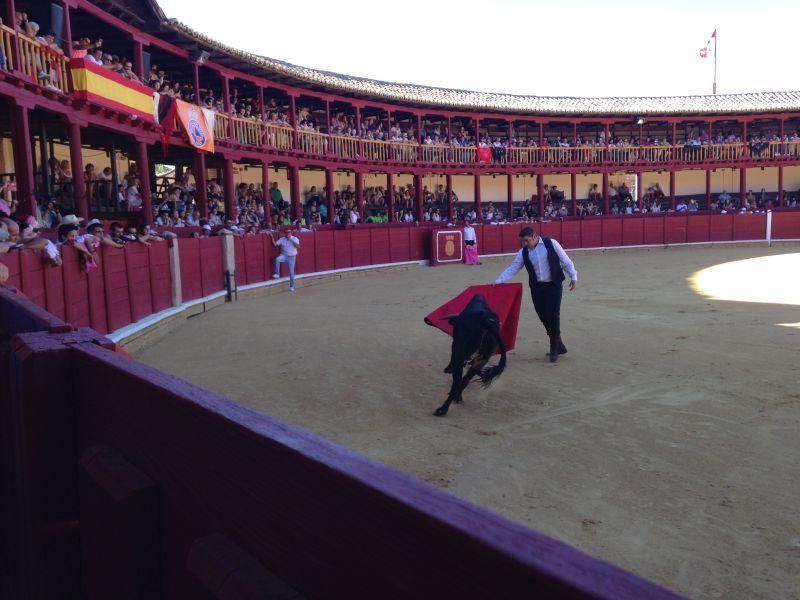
(715, 62)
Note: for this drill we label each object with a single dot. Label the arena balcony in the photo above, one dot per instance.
(308, 127)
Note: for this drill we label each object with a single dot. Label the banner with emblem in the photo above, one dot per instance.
(193, 120)
(447, 246)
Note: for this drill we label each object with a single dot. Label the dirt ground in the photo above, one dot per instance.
(666, 440)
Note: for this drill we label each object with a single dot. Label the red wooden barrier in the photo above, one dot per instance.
(510, 236)
(341, 249)
(698, 228)
(323, 250)
(549, 229)
(379, 245)
(54, 289)
(611, 231)
(96, 285)
(490, 239)
(420, 241)
(115, 275)
(254, 258)
(570, 234)
(399, 245)
(360, 247)
(675, 229)
(189, 257)
(305, 262)
(786, 225)
(138, 272)
(633, 230)
(592, 232)
(76, 289)
(212, 273)
(12, 260)
(750, 226)
(240, 260)
(653, 230)
(160, 276)
(32, 277)
(720, 227)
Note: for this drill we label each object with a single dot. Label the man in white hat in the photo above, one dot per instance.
(70, 220)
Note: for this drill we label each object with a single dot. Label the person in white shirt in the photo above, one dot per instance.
(545, 261)
(470, 244)
(288, 246)
(353, 216)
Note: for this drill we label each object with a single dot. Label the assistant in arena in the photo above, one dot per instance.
(545, 261)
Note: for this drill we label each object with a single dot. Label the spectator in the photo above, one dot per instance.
(288, 246)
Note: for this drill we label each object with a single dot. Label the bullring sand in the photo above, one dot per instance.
(665, 442)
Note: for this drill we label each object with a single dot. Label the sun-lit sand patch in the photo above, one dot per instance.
(766, 279)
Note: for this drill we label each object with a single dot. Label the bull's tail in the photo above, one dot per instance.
(489, 373)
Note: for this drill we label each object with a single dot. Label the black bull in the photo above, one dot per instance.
(476, 338)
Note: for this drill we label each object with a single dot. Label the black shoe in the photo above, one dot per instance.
(562, 349)
(553, 354)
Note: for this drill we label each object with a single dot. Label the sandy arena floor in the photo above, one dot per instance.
(666, 441)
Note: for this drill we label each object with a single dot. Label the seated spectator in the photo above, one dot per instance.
(95, 228)
(145, 235)
(681, 206)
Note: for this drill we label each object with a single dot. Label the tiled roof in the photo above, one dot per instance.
(495, 102)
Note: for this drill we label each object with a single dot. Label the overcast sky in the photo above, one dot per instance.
(565, 48)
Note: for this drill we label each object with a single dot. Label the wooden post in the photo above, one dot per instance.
(540, 193)
(265, 188)
(418, 191)
(359, 177)
(780, 184)
(451, 209)
(510, 191)
(639, 190)
(23, 157)
(742, 185)
(201, 192)
(672, 189)
(294, 184)
(143, 164)
(78, 182)
(390, 194)
(229, 189)
(330, 195)
(573, 190)
(708, 188)
(606, 199)
(478, 211)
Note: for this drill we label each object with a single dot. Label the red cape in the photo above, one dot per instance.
(504, 299)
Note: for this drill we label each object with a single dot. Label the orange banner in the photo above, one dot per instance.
(195, 124)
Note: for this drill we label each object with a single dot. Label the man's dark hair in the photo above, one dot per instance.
(526, 231)
(94, 227)
(115, 224)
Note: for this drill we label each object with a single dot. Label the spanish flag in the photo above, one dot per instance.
(106, 88)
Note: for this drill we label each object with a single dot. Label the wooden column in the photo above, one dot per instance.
(138, 58)
(11, 22)
(360, 138)
(390, 194)
(606, 199)
(143, 165)
(780, 183)
(573, 191)
(329, 195)
(639, 189)
(265, 187)
(328, 128)
(293, 120)
(229, 189)
(359, 177)
(742, 185)
(418, 191)
(226, 99)
(672, 189)
(78, 182)
(510, 191)
(478, 211)
(294, 184)
(201, 183)
(67, 39)
(23, 157)
(540, 193)
(451, 212)
(196, 83)
(708, 188)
